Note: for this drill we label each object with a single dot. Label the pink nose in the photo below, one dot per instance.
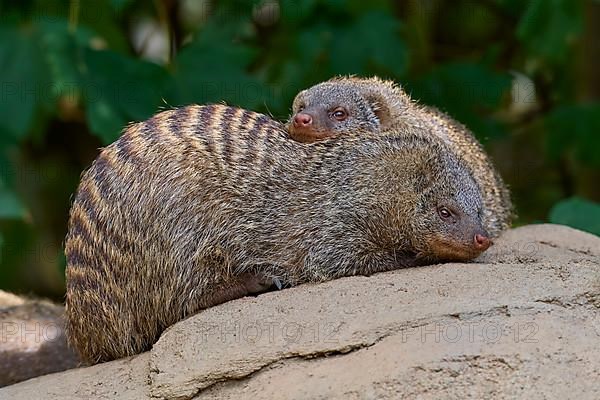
(302, 120)
(482, 242)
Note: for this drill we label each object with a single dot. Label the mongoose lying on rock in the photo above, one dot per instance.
(342, 106)
(203, 204)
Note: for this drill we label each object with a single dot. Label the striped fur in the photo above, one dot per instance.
(203, 204)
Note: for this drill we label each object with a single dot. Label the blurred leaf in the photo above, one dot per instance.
(120, 5)
(10, 205)
(577, 213)
(295, 11)
(549, 27)
(214, 67)
(574, 127)
(358, 46)
(105, 120)
(64, 55)
(21, 81)
(465, 91)
(514, 7)
(118, 90)
(102, 17)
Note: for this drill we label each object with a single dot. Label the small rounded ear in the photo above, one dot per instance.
(380, 106)
(387, 100)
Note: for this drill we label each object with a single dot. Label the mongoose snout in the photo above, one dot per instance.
(482, 242)
(310, 125)
(302, 120)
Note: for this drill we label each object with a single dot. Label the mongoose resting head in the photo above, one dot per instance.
(441, 199)
(346, 104)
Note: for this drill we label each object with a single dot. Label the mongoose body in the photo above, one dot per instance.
(203, 204)
(33, 340)
(342, 106)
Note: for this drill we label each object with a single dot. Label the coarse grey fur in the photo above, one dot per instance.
(177, 214)
(380, 106)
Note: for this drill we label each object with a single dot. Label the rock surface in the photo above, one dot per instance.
(32, 339)
(521, 322)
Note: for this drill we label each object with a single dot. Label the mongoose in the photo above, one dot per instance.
(343, 105)
(203, 204)
(32, 339)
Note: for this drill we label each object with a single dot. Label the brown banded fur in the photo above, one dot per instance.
(203, 204)
(390, 110)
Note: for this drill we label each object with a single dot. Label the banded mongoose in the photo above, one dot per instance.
(203, 204)
(346, 104)
(33, 341)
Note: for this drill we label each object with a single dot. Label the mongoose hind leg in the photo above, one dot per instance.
(238, 287)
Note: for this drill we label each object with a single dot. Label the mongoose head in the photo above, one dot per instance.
(344, 105)
(451, 209)
(330, 109)
(432, 198)
(455, 230)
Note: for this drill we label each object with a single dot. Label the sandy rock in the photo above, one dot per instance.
(521, 322)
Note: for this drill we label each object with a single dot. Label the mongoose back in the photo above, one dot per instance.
(344, 105)
(203, 204)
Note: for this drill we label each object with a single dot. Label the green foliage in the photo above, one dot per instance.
(578, 213)
(468, 91)
(21, 78)
(358, 48)
(549, 26)
(575, 128)
(117, 90)
(73, 74)
(10, 206)
(206, 71)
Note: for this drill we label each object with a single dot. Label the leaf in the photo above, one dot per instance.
(357, 48)
(21, 83)
(295, 11)
(10, 206)
(465, 91)
(574, 127)
(549, 27)
(118, 89)
(105, 120)
(64, 55)
(102, 17)
(577, 213)
(214, 68)
(120, 5)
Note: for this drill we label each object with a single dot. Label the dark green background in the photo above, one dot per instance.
(523, 75)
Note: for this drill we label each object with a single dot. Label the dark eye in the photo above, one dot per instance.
(444, 213)
(339, 114)
(301, 108)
